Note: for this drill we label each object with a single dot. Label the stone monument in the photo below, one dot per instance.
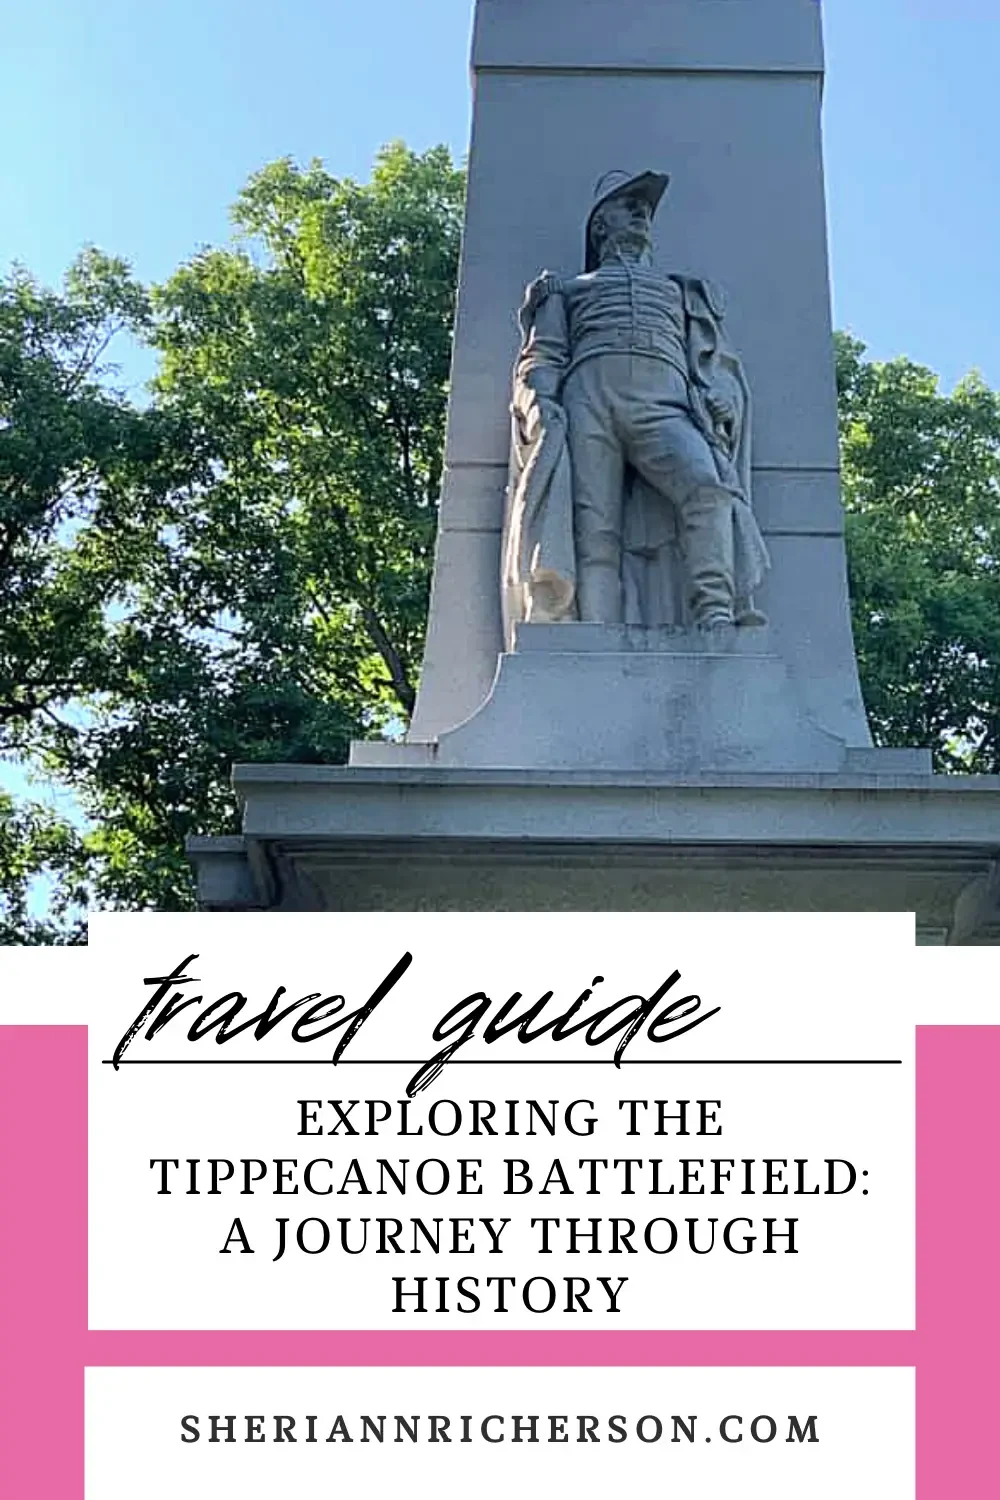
(639, 688)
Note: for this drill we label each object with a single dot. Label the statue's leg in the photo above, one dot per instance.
(672, 455)
(598, 467)
(706, 516)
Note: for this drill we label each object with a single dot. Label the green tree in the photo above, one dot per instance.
(67, 520)
(71, 519)
(40, 849)
(922, 491)
(312, 365)
(239, 569)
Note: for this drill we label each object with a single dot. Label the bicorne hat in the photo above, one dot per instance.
(619, 184)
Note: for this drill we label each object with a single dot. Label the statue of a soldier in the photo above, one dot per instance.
(630, 490)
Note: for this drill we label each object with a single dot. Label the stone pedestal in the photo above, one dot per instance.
(604, 768)
(611, 698)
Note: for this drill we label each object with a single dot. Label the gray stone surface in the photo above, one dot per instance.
(423, 838)
(580, 696)
(610, 35)
(859, 807)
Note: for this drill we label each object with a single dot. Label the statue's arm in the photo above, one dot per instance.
(544, 355)
(713, 365)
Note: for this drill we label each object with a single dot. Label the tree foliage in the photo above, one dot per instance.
(237, 570)
(77, 467)
(922, 490)
(312, 367)
(67, 492)
(37, 846)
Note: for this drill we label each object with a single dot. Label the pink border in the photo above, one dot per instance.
(43, 1292)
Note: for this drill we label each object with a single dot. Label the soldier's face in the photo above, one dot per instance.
(627, 222)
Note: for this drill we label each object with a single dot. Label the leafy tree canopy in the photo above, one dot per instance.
(238, 570)
(922, 491)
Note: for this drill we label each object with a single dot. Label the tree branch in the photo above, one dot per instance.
(398, 675)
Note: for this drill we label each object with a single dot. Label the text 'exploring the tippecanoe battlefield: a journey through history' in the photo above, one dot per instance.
(506, 1120)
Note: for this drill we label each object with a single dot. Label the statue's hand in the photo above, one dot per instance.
(544, 412)
(721, 408)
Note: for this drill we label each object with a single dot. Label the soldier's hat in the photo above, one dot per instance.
(619, 184)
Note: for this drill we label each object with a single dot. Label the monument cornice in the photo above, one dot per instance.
(649, 36)
(874, 809)
(428, 838)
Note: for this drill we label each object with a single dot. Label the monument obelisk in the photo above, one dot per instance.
(726, 98)
(674, 414)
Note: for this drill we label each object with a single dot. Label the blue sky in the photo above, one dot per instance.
(133, 125)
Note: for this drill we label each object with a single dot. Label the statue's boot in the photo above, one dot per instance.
(707, 539)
